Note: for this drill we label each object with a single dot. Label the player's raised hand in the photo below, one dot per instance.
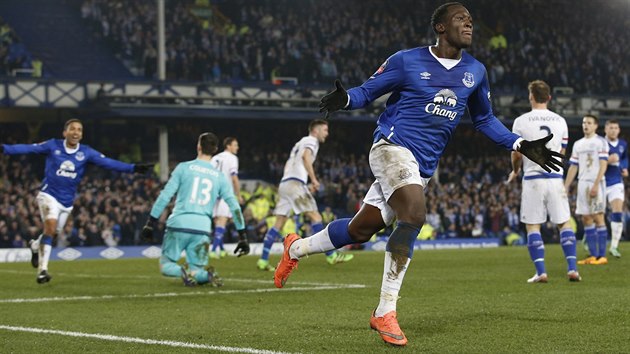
(334, 101)
(242, 248)
(142, 168)
(538, 152)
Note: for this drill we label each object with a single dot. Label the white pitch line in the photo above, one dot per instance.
(193, 293)
(114, 338)
(158, 276)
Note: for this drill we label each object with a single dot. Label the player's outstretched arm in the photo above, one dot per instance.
(538, 152)
(334, 101)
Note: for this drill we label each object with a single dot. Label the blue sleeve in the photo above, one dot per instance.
(167, 193)
(480, 108)
(100, 160)
(227, 194)
(623, 159)
(18, 149)
(386, 79)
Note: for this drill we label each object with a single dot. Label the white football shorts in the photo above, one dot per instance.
(221, 208)
(50, 208)
(587, 205)
(616, 191)
(544, 197)
(293, 195)
(393, 167)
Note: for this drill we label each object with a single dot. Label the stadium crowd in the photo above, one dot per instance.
(252, 40)
(14, 54)
(467, 197)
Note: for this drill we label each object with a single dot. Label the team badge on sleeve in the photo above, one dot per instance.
(468, 80)
(380, 69)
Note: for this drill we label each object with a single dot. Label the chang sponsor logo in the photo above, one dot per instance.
(442, 101)
(67, 170)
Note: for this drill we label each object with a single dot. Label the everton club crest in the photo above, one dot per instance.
(468, 80)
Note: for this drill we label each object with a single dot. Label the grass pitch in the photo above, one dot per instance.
(473, 301)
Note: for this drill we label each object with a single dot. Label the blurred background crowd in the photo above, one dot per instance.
(468, 196)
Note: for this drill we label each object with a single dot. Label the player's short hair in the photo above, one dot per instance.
(540, 91)
(209, 143)
(228, 141)
(70, 121)
(440, 12)
(612, 121)
(592, 116)
(316, 122)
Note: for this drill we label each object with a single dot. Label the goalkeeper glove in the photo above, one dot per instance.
(537, 152)
(142, 168)
(242, 248)
(335, 100)
(147, 230)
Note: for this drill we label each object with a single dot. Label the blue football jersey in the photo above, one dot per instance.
(197, 184)
(427, 103)
(65, 167)
(613, 172)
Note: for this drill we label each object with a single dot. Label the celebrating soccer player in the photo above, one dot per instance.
(65, 166)
(431, 88)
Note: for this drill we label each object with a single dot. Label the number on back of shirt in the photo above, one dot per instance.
(200, 193)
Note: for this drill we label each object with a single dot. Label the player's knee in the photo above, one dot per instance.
(415, 219)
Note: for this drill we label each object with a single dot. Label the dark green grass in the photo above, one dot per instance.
(455, 301)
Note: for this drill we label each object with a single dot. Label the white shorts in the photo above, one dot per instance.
(542, 197)
(50, 208)
(393, 167)
(615, 192)
(221, 208)
(587, 205)
(294, 196)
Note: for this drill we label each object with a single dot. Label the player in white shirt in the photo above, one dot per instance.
(226, 162)
(543, 193)
(294, 194)
(590, 158)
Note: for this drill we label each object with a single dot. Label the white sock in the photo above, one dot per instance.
(616, 229)
(318, 243)
(44, 256)
(392, 281)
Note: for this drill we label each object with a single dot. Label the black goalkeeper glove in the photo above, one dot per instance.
(142, 168)
(334, 101)
(538, 152)
(147, 230)
(242, 248)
